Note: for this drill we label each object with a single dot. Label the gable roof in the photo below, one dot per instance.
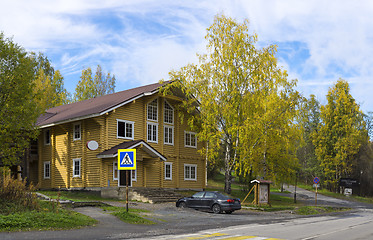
(113, 152)
(95, 106)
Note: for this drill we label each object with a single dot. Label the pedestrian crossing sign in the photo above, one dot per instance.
(127, 159)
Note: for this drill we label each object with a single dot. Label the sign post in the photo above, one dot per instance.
(316, 181)
(127, 161)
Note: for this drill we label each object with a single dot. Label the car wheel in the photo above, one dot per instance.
(228, 212)
(182, 205)
(216, 208)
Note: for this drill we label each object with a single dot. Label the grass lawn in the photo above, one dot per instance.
(46, 218)
(337, 195)
(76, 196)
(132, 216)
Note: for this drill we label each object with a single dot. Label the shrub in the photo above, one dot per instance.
(15, 195)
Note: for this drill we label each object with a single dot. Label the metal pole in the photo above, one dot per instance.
(316, 196)
(295, 190)
(127, 190)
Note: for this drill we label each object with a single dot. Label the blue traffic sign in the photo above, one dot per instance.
(316, 180)
(127, 159)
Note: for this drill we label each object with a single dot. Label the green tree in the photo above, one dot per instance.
(245, 103)
(368, 118)
(18, 109)
(341, 133)
(309, 120)
(89, 87)
(49, 85)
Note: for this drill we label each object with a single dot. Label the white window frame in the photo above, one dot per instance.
(80, 131)
(164, 135)
(151, 108)
(166, 111)
(189, 178)
(185, 139)
(151, 136)
(49, 172)
(165, 170)
(115, 169)
(79, 160)
(125, 128)
(134, 175)
(47, 141)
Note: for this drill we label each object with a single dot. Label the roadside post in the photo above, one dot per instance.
(127, 161)
(316, 181)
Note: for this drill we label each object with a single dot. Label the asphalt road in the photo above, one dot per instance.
(180, 223)
(358, 225)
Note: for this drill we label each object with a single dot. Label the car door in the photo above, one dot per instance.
(208, 200)
(196, 200)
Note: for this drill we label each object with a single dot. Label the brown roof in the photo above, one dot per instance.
(113, 152)
(95, 106)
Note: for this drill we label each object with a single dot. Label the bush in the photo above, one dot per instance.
(15, 195)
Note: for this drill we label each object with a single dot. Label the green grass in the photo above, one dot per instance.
(337, 195)
(47, 218)
(312, 210)
(132, 216)
(76, 196)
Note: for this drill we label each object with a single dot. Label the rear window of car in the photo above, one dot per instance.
(222, 196)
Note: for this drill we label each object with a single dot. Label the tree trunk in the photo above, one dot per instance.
(228, 182)
(228, 174)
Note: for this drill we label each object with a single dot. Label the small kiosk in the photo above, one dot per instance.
(262, 191)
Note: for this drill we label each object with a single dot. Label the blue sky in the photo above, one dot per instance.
(140, 41)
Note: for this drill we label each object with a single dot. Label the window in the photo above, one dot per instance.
(210, 195)
(169, 135)
(190, 172)
(76, 167)
(47, 170)
(134, 175)
(198, 195)
(153, 110)
(115, 170)
(168, 113)
(167, 171)
(190, 139)
(77, 132)
(47, 137)
(125, 129)
(152, 132)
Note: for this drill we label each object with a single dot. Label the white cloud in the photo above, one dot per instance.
(140, 41)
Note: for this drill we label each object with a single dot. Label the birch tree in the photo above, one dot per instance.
(341, 133)
(49, 85)
(309, 120)
(18, 109)
(90, 87)
(245, 102)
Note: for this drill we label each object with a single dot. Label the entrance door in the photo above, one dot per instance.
(122, 178)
